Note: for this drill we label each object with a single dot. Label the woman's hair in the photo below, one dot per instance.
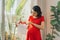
(38, 10)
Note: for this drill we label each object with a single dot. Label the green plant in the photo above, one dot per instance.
(55, 22)
(19, 9)
(9, 4)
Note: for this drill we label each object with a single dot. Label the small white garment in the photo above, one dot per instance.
(21, 31)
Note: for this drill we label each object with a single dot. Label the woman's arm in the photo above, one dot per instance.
(39, 26)
(20, 22)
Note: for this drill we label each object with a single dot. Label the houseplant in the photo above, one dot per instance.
(9, 5)
(55, 22)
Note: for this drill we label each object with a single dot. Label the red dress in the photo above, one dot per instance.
(33, 32)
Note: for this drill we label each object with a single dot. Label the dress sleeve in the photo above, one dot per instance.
(29, 18)
(42, 18)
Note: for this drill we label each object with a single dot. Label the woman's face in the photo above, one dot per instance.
(34, 13)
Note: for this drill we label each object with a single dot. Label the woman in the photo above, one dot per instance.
(35, 24)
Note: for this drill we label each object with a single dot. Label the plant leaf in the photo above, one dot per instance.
(9, 4)
(53, 8)
(20, 7)
(57, 27)
(56, 33)
(49, 37)
(53, 22)
(58, 5)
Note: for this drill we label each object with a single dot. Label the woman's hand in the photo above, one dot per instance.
(19, 22)
(29, 22)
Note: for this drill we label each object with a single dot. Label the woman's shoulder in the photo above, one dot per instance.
(42, 16)
(30, 16)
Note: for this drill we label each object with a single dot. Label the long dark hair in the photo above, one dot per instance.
(38, 10)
